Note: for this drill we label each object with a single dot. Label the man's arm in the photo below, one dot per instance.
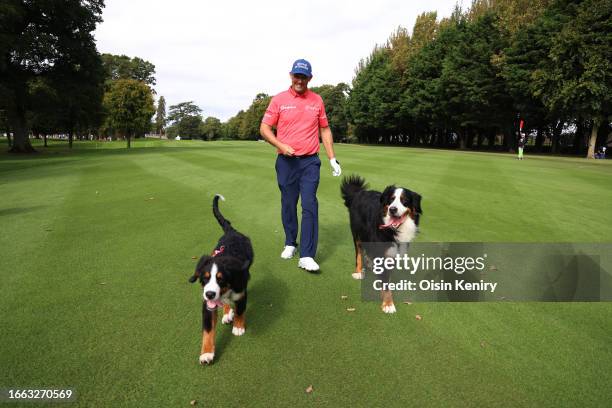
(266, 132)
(328, 143)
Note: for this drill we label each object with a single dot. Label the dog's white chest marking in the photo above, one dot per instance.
(407, 231)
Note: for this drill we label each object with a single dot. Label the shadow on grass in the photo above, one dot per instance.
(22, 210)
(265, 305)
(333, 235)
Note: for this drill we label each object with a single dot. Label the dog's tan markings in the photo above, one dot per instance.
(387, 300)
(219, 275)
(208, 339)
(239, 321)
(226, 309)
(207, 275)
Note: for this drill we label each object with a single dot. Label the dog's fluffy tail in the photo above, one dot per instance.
(225, 224)
(350, 186)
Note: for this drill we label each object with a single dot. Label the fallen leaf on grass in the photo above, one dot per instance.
(193, 402)
(350, 309)
(309, 389)
(102, 283)
(492, 268)
(194, 257)
(418, 317)
(343, 297)
(407, 302)
(483, 344)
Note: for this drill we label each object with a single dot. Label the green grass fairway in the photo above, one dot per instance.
(97, 247)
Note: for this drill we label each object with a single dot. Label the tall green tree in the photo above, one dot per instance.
(231, 128)
(190, 127)
(335, 99)
(181, 110)
(579, 76)
(129, 106)
(36, 40)
(160, 118)
(123, 67)
(211, 128)
(249, 125)
(186, 120)
(374, 100)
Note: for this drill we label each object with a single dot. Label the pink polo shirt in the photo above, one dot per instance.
(297, 119)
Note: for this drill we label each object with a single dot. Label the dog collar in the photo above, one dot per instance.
(218, 251)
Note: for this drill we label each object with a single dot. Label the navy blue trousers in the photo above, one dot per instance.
(298, 177)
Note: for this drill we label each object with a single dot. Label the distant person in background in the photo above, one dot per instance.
(521, 146)
(299, 117)
(601, 154)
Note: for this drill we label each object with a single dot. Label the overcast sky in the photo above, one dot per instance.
(221, 54)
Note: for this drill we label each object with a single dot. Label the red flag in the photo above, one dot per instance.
(521, 125)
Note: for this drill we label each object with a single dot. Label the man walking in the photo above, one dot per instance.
(299, 115)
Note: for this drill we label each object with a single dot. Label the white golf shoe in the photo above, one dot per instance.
(288, 252)
(309, 264)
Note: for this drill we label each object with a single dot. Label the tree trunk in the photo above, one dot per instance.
(593, 139)
(462, 136)
(469, 139)
(45, 139)
(21, 142)
(70, 138)
(129, 141)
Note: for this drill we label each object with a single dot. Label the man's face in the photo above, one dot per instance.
(299, 83)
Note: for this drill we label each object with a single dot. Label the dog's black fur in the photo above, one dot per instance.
(367, 210)
(232, 258)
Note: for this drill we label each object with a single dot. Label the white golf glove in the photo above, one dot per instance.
(336, 170)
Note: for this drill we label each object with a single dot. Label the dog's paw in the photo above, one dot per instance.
(357, 275)
(207, 358)
(237, 331)
(388, 308)
(229, 317)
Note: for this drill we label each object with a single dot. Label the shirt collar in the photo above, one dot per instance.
(297, 95)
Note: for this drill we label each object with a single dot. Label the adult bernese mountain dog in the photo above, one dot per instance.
(224, 276)
(389, 217)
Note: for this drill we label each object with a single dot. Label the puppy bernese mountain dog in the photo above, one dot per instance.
(389, 217)
(224, 276)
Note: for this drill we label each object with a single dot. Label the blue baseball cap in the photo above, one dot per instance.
(303, 67)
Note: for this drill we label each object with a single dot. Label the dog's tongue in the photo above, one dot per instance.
(394, 222)
(213, 304)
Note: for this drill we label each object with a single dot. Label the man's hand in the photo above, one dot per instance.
(336, 170)
(286, 150)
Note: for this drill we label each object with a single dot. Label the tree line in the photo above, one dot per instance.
(465, 81)
(469, 80)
